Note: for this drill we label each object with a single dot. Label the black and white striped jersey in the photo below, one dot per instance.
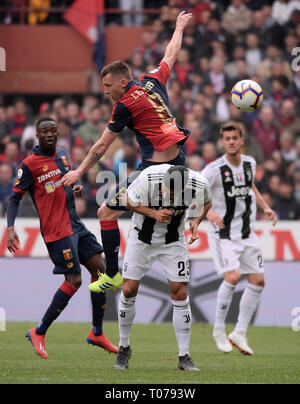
(146, 190)
(232, 196)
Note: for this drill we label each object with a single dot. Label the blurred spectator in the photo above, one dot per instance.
(286, 205)
(127, 156)
(195, 162)
(134, 5)
(89, 131)
(273, 55)
(6, 185)
(4, 125)
(38, 15)
(73, 115)
(183, 67)
(209, 152)
(288, 119)
(253, 54)
(287, 147)
(237, 18)
(149, 49)
(21, 118)
(296, 177)
(265, 131)
(11, 155)
(29, 134)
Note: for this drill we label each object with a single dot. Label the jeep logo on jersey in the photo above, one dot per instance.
(52, 174)
(238, 191)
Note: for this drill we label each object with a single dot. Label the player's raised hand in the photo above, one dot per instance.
(78, 190)
(183, 20)
(163, 215)
(70, 178)
(215, 220)
(194, 230)
(271, 215)
(12, 240)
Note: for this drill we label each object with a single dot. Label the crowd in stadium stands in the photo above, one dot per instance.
(245, 39)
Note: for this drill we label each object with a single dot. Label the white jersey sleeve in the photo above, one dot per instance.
(209, 172)
(138, 190)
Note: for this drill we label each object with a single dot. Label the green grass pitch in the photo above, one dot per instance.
(154, 360)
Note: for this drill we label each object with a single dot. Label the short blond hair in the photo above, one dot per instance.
(117, 68)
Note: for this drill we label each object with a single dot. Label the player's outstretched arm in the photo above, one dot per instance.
(271, 215)
(175, 44)
(95, 154)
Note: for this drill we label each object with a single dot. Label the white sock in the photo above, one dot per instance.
(125, 316)
(248, 306)
(224, 300)
(182, 323)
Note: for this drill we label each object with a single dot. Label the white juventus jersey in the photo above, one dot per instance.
(232, 196)
(146, 191)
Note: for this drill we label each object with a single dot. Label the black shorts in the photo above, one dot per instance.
(114, 199)
(68, 253)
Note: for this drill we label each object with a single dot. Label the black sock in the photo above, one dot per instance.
(110, 235)
(98, 307)
(58, 304)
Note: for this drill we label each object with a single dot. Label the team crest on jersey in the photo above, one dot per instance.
(50, 187)
(45, 168)
(228, 177)
(70, 265)
(68, 254)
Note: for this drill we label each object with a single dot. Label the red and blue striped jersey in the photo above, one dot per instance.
(41, 174)
(145, 109)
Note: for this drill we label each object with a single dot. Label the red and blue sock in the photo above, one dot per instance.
(111, 239)
(59, 303)
(98, 308)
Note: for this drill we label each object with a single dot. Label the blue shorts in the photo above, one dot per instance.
(113, 200)
(68, 253)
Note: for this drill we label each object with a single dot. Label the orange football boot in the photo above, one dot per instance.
(102, 342)
(38, 343)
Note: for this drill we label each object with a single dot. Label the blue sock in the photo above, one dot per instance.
(110, 235)
(98, 307)
(58, 304)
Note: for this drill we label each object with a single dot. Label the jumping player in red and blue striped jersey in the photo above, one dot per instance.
(68, 241)
(143, 107)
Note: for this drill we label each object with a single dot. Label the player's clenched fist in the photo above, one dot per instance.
(163, 215)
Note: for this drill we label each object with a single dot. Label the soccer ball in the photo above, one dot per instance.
(247, 95)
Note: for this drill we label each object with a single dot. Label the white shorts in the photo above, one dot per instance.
(140, 256)
(243, 255)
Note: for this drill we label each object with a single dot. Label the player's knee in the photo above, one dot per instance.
(233, 277)
(180, 294)
(104, 213)
(75, 281)
(129, 291)
(260, 282)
